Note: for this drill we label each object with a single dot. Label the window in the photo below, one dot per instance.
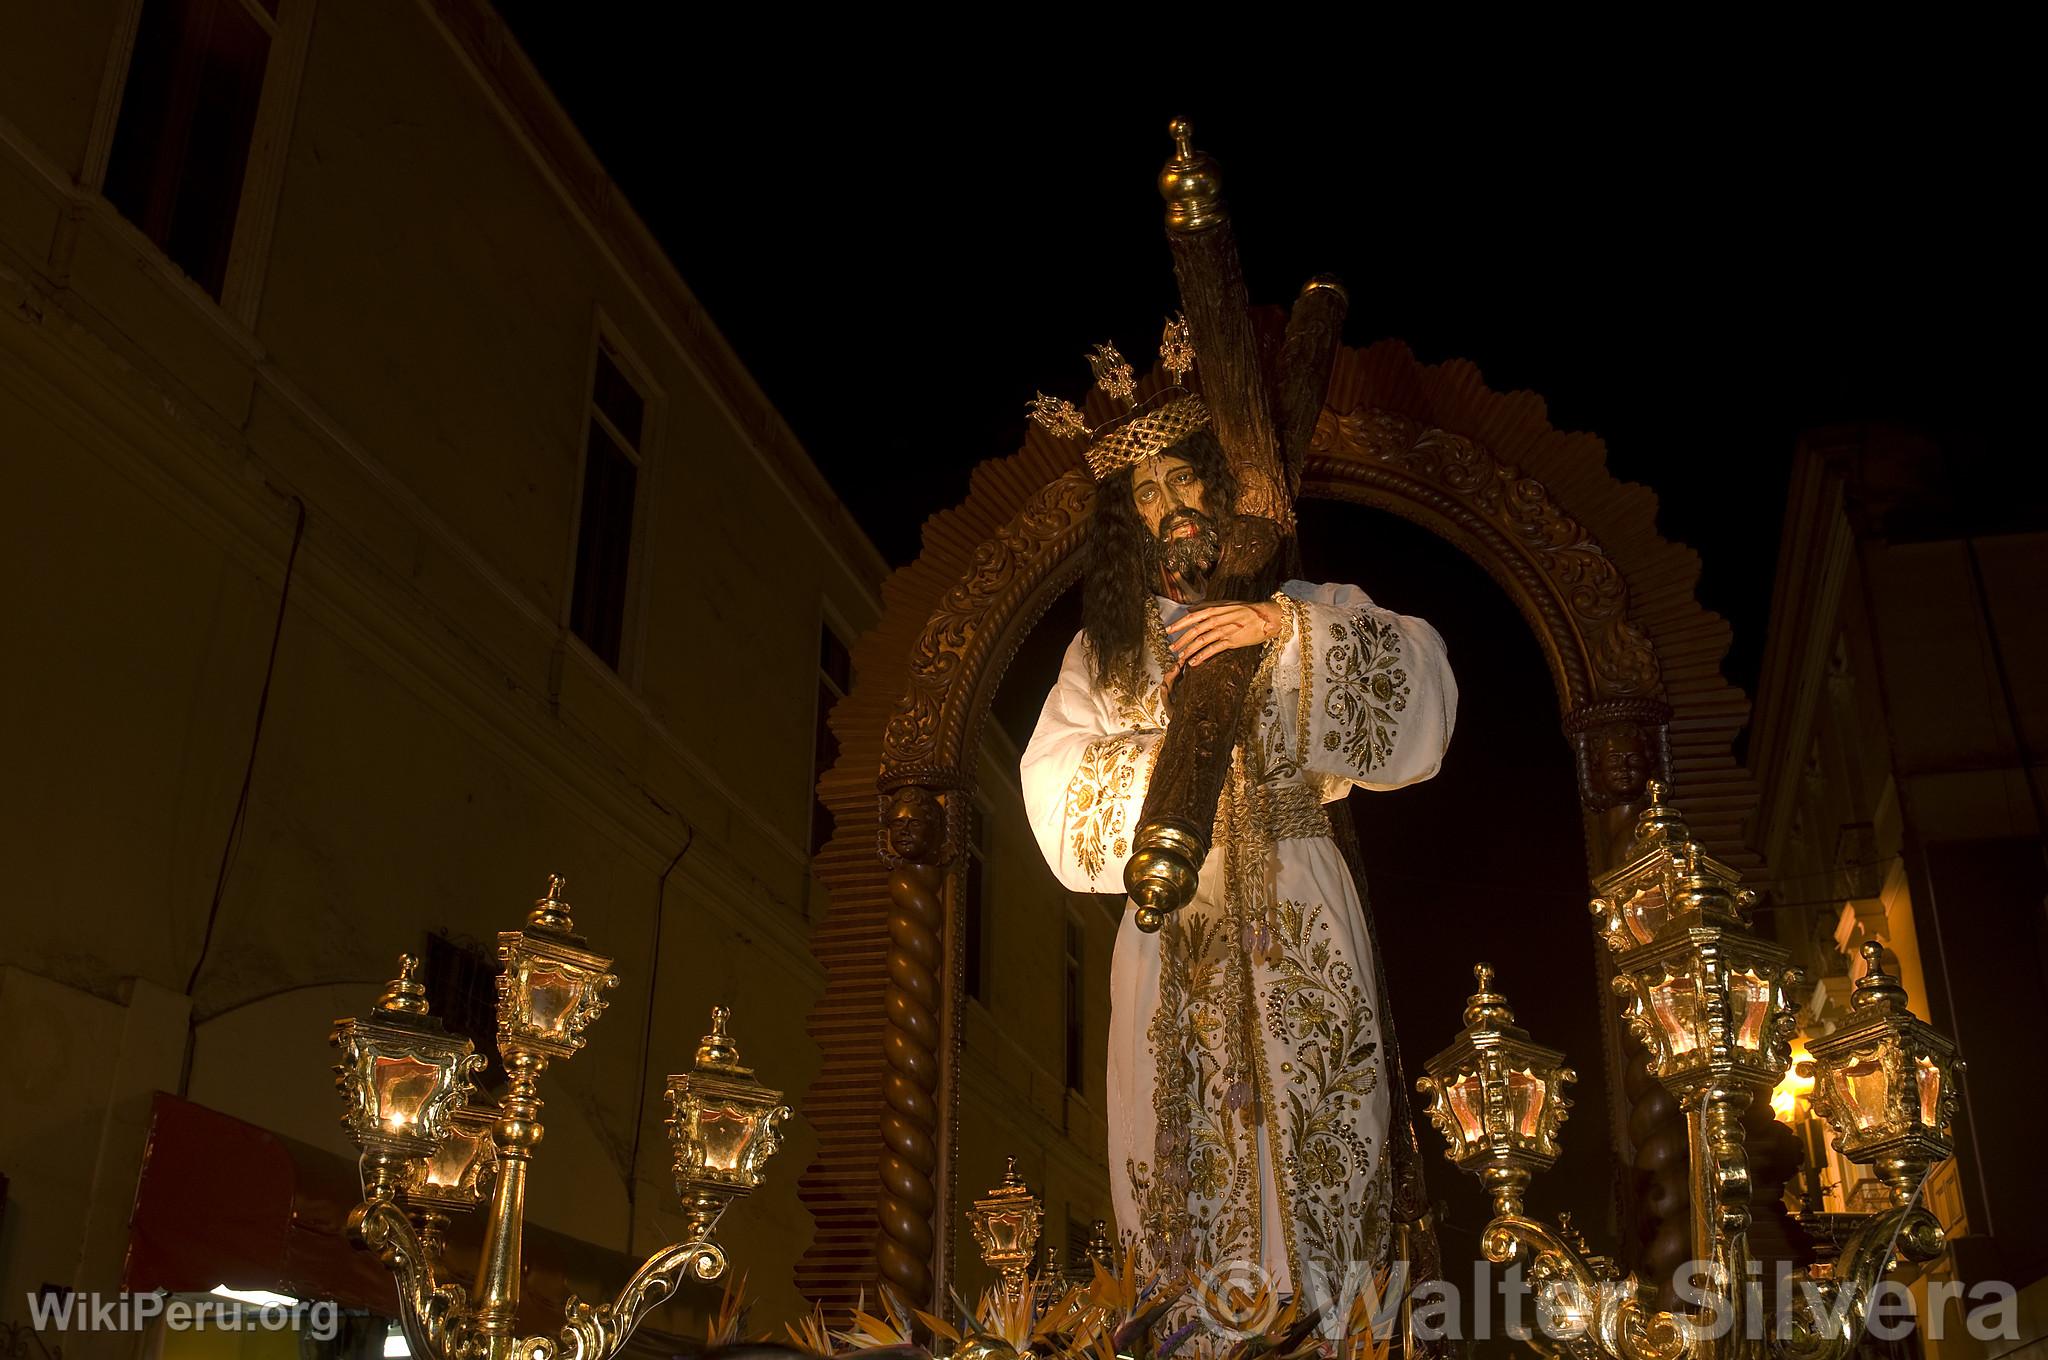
(1077, 1246)
(1076, 1017)
(835, 679)
(462, 984)
(604, 534)
(973, 882)
(188, 114)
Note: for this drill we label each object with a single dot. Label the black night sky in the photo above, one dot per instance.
(1694, 274)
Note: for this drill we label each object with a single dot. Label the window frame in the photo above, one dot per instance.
(255, 222)
(827, 622)
(1074, 1000)
(605, 337)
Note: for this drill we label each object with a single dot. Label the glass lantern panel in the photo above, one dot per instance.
(402, 1088)
(724, 1132)
(1749, 1003)
(1462, 1096)
(1860, 1084)
(1676, 1003)
(1646, 912)
(1928, 1077)
(1007, 1230)
(449, 1164)
(1526, 1093)
(551, 996)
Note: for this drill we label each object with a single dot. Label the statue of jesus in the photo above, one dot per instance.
(1248, 1117)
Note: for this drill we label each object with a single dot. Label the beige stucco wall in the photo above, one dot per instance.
(1013, 1097)
(413, 372)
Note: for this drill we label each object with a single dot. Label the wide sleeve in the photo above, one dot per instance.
(1084, 781)
(1373, 695)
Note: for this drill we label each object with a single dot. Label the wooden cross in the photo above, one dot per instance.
(1264, 423)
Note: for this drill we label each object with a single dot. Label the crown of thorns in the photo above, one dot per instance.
(1144, 427)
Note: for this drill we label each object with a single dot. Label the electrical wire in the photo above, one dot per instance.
(227, 851)
(647, 1040)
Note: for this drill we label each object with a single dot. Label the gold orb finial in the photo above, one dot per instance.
(1877, 987)
(1191, 184)
(716, 1050)
(405, 992)
(1487, 1009)
(1659, 822)
(550, 910)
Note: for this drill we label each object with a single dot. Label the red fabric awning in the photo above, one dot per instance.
(221, 1201)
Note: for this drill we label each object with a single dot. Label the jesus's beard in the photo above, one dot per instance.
(1188, 556)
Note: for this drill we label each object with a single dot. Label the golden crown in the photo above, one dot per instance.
(1144, 427)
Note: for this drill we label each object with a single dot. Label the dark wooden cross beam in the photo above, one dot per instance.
(1264, 419)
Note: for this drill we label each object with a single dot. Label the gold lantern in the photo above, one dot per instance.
(1885, 1082)
(1498, 1097)
(407, 1080)
(552, 985)
(402, 1076)
(1006, 1224)
(1708, 1000)
(455, 1175)
(722, 1128)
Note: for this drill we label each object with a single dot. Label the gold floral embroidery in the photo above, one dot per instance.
(1316, 1010)
(1262, 1031)
(1305, 705)
(1143, 705)
(1199, 1194)
(1098, 797)
(1364, 687)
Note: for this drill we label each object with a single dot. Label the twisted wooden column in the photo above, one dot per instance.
(916, 845)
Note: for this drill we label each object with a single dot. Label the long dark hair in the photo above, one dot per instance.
(1123, 571)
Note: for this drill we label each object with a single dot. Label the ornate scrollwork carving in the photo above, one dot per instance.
(1583, 587)
(384, 1229)
(599, 1331)
(1612, 1317)
(928, 725)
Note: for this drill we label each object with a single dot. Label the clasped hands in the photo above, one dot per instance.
(1211, 629)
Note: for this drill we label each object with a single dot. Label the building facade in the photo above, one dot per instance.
(392, 530)
(1898, 740)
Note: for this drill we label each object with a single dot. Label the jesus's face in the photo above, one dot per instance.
(1162, 487)
(1172, 501)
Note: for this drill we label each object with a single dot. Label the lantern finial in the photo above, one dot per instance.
(1877, 988)
(1487, 1009)
(550, 912)
(405, 993)
(1659, 822)
(717, 1052)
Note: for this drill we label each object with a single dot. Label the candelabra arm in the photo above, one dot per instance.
(600, 1331)
(1615, 1313)
(1829, 1316)
(428, 1311)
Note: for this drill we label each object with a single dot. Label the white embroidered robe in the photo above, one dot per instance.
(1247, 1116)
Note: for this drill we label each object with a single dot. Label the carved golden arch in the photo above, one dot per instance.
(1610, 602)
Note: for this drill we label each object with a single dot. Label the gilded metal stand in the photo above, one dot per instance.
(1708, 999)
(407, 1083)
